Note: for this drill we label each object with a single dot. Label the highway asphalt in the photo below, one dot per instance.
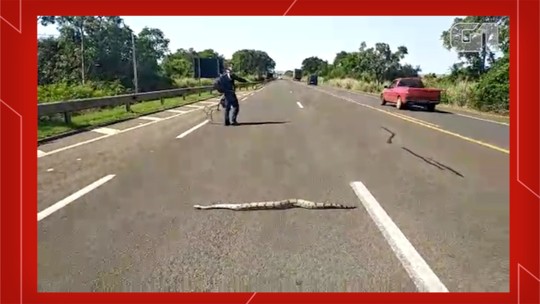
(432, 191)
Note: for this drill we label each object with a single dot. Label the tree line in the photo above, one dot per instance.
(373, 64)
(94, 55)
(478, 80)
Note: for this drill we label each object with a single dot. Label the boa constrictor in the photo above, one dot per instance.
(283, 204)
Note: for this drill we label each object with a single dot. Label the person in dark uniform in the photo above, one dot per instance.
(229, 99)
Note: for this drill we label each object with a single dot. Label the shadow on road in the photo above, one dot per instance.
(433, 162)
(392, 135)
(422, 109)
(256, 123)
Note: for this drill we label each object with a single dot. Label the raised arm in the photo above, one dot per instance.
(238, 78)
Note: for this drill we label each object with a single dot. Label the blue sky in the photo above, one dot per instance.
(288, 40)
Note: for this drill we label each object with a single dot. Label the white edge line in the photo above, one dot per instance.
(482, 119)
(192, 129)
(43, 154)
(455, 113)
(469, 139)
(106, 131)
(299, 105)
(105, 136)
(66, 201)
(149, 118)
(419, 271)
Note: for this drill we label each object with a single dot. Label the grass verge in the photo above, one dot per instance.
(56, 126)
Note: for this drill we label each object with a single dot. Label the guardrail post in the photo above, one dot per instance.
(184, 96)
(128, 104)
(67, 117)
(162, 101)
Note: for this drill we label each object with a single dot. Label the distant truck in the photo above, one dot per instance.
(297, 75)
(404, 92)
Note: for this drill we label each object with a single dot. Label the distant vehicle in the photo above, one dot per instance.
(404, 92)
(313, 80)
(297, 75)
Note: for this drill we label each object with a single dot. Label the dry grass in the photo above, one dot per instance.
(461, 94)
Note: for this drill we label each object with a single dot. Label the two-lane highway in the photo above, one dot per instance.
(475, 127)
(433, 213)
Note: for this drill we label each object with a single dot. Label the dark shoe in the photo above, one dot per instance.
(235, 123)
(226, 124)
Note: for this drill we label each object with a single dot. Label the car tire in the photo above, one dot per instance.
(430, 107)
(399, 104)
(383, 102)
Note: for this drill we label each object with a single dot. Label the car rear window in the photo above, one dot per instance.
(411, 83)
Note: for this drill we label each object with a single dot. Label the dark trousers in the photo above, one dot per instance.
(231, 103)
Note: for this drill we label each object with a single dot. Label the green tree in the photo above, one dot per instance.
(314, 65)
(476, 64)
(99, 49)
(252, 62)
(374, 64)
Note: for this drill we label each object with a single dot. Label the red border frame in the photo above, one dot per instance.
(18, 115)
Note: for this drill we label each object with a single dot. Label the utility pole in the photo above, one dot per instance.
(133, 59)
(82, 51)
(135, 76)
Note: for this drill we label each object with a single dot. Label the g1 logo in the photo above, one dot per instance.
(474, 37)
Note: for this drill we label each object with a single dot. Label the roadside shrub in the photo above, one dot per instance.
(489, 94)
(65, 91)
(191, 82)
(493, 91)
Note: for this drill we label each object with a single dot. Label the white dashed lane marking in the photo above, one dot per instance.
(68, 200)
(107, 131)
(152, 120)
(193, 129)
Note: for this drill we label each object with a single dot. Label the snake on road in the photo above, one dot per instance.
(282, 204)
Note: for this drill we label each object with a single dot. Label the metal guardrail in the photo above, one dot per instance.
(70, 106)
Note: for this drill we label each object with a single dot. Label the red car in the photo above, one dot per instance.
(408, 91)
